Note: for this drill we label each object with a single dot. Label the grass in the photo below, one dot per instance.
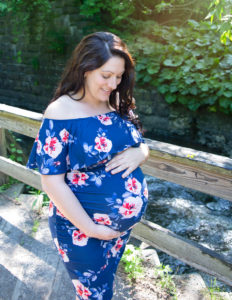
(35, 227)
(213, 291)
(162, 273)
(132, 262)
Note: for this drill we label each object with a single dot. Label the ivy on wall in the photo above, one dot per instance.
(184, 61)
(26, 15)
(187, 65)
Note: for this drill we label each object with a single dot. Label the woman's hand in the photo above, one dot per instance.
(103, 232)
(128, 160)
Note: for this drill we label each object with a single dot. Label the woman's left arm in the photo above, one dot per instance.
(128, 160)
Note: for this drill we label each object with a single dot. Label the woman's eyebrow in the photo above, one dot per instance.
(113, 72)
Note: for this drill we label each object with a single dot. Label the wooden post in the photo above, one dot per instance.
(3, 177)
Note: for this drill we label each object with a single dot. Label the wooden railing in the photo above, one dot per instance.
(205, 172)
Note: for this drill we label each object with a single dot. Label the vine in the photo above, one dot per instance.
(187, 65)
(24, 12)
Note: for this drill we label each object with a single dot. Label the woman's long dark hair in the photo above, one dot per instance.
(93, 51)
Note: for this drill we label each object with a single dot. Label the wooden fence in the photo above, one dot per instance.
(205, 172)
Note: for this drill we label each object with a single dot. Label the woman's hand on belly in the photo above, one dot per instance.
(103, 232)
(128, 160)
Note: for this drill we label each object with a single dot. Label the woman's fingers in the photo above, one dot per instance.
(105, 233)
(128, 171)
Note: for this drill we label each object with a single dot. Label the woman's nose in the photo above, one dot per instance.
(112, 83)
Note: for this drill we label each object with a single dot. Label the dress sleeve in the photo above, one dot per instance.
(49, 153)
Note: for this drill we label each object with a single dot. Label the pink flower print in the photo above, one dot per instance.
(83, 291)
(37, 137)
(79, 238)
(133, 186)
(61, 251)
(59, 213)
(38, 147)
(103, 267)
(64, 134)
(102, 161)
(77, 177)
(103, 144)
(56, 163)
(117, 247)
(145, 192)
(108, 254)
(131, 207)
(105, 120)
(52, 147)
(50, 209)
(102, 219)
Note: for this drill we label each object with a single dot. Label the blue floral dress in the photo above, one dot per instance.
(80, 148)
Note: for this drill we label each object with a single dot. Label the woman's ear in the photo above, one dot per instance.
(86, 74)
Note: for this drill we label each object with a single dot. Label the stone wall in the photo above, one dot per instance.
(30, 69)
(203, 130)
(31, 66)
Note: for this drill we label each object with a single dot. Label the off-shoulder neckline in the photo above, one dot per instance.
(73, 119)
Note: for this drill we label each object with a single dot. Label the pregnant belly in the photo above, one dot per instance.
(110, 199)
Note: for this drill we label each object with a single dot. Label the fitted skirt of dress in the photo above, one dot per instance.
(109, 200)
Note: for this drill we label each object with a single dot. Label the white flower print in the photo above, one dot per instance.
(64, 134)
(62, 252)
(118, 245)
(68, 160)
(103, 219)
(105, 119)
(79, 238)
(131, 207)
(52, 147)
(77, 177)
(83, 291)
(102, 144)
(38, 147)
(145, 192)
(135, 134)
(133, 185)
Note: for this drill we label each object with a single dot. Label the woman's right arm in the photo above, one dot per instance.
(64, 199)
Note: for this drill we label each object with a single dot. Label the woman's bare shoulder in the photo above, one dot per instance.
(57, 109)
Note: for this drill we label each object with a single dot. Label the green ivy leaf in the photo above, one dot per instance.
(182, 99)
(226, 63)
(173, 62)
(228, 94)
(225, 103)
(147, 78)
(170, 98)
(163, 88)
(153, 69)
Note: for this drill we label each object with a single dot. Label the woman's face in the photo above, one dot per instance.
(101, 82)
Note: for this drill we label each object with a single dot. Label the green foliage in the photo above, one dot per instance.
(186, 65)
(118, 12)
(132, 261)
(56, 41)
(220, 11)
(166, 280)
(213, 291)
(25, 12)
(36, 192)
(5, 186)
(35, 226)
(15, 154)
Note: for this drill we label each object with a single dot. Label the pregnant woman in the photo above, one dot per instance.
(88, 151)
